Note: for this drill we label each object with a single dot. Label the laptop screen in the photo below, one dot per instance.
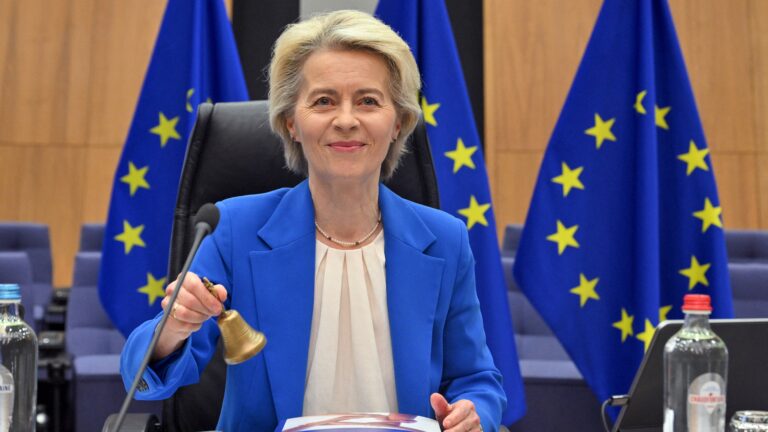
(747, 342)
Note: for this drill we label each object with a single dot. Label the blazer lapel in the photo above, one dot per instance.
(283, 279)
(413, 286)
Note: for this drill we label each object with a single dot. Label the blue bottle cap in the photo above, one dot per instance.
(10, 292)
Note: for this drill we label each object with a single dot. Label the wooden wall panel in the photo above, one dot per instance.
(513, 201)
(44, 73)
(762, 187)
(119, 64)
(532, 50)
(72, 71)
(100, 166)
(44, 184)
(758, 25)
(715, 38)
(737, 188)
(12, 179)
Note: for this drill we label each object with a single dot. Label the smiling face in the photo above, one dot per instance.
(344, 118)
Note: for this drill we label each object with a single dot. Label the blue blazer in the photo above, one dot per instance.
(263, 252)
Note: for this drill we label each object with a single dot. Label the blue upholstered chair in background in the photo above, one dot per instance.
(91, 237)
(32, 239)
(15, 268)
(86, 270)
(749, 284)
(747, 246)
(95, 346)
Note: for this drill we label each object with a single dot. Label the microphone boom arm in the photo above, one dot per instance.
(199, 235)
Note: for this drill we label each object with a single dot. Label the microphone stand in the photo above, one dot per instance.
(202, 229)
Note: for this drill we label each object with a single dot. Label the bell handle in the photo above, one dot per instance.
(209, 285)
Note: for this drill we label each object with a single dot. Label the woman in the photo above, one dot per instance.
(368, 300)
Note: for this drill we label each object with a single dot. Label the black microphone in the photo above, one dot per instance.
(205, 222)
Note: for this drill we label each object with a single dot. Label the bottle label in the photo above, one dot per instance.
(706, 401)
(6, 388)
(669, 420)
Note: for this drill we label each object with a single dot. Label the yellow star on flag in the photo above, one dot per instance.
(625, 325)
(586, 289)
(135, 177)
(647, 334)
(130, 237)
(661, 116)
(601, 130)
(694, 158)
(153, 289)
(166, 129)
(639, 102)
(709, 215)
(429, 111)
(475, 213)
(564, 237)
(190, 92)
(663, 311)
(569, 179)
(696, 273)
(462, 156)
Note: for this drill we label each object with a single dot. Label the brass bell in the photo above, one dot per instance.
(241, 341)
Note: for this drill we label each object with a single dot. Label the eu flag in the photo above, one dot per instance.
(194, 60)
(625, 218)
(460, 168)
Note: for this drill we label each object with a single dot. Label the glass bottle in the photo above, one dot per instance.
(695, 372)
(749, 421)
(6, 398)
(18, 355)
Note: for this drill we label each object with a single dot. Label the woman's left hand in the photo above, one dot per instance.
(456, 417)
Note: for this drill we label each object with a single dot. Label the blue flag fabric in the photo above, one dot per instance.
(194, 60)
(460, 168)
(625, 218)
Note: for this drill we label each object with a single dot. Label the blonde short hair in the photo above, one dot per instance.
(341, 30)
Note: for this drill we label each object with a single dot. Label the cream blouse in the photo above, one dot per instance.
(350, 368)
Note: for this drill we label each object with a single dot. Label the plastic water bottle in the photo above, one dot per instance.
(18, 356)
(695, 373)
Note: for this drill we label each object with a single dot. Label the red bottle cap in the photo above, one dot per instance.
(697, 302)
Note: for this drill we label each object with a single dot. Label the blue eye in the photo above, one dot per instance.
(323, 101)
(370, 101)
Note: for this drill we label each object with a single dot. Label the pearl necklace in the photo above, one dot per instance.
(346, 243)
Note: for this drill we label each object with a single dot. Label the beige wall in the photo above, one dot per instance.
(72, 70)
(532, 50)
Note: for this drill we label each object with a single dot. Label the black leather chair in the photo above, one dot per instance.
(232, 152)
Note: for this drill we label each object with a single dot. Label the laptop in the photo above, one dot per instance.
(747, 342)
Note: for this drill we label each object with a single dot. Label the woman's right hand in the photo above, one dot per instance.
(194, 305)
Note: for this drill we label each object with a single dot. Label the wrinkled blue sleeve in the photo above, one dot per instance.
(468, 368)
(183, 367)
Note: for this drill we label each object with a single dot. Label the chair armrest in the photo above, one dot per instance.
(55, 369)
(55, 316)
(50, 342)
(60, 296)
